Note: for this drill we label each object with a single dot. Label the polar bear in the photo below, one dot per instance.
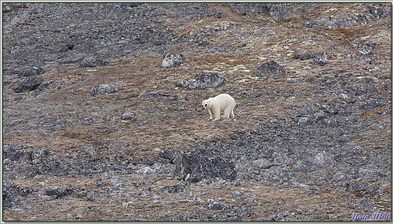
(222, 102)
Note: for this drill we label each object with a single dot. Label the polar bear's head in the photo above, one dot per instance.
(206, 103)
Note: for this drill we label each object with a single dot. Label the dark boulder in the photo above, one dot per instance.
(182, 83)
(167, 154)
(128, 116)
(173, 60)
(271, 69)
(92, 62)
(33, 71)
(206, 80)
(215, 205)
(27, 84)
(196, 166)
(11, 195)
(104, 88)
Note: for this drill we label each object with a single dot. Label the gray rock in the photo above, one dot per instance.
(368, 174)
(309, 79)
(172, 189)
(172, 60)
(263, 164)
(279, 11)
(271, 69)
(55, 192)
(275, 10)
(128, 116)
(304, 166)
(320, 59)
(363, 17)
(27, 84)
(344, 138)
(236, 193)
(104, 88)
(196, 166)
(182, 83)
(143, 181)
(15, 153)
(206, 80)
(11, 194)
(33, 71)
(293, 80)
(248, 201)
(203, 42)
(39, 155)
(215, 205)
(304, 121)
(354, 186)
(307, 56)
(6, 8)
(167, 154)
(92, 62)
(87, 120)
(323, 159)
(340, 177)
(365, 204)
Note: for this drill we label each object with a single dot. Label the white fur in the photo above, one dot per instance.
(221, 103)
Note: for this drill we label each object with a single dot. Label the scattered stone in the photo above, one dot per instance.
(196, 166)
(47, 85)
(16, 153)
(365, 204)
(304, 121)
(206, 80)
(236, 193)
(33, 71)
(344, 138)
(320, 59)
(309, 79)
(182, 83)
(354, 186)
(91, 62)
(323, 159)
(263, 164)
(203, 43)
(340, 177)
(215, 205)
(56, 193)
(11, 194)
(171, 189)
(248, 201)
(167, 154)
(53, 191)
(307, 56)
(87, 120)
(271, 69)
(104, 88)
(128, 116)
(172, 60)
(304, 166)
(6, 8)
(293, 80)
(28, 84)
(368, 174)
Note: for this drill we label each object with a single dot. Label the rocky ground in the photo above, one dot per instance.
(102, 115)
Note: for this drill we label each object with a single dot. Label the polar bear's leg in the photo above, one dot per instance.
(232, 115)
(227, 112)
(211, 114)
(216, 112)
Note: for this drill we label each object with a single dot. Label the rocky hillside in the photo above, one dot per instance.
(102, 115)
